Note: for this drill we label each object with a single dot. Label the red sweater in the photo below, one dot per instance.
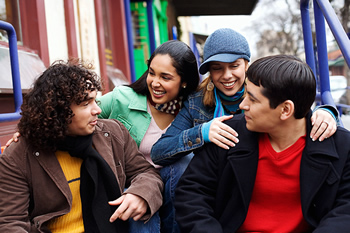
(275, 204)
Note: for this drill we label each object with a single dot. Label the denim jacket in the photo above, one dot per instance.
(185, 133)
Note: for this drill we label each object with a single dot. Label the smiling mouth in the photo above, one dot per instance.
(229, 84)
(158, 92)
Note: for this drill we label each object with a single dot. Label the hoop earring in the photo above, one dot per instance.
(210, 86)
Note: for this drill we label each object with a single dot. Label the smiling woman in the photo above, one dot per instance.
(148, 106)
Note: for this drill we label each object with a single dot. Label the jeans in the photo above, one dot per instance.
(171, 175)
(152, 226)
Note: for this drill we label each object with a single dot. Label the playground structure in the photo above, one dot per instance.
(319, 63)
(317, 60)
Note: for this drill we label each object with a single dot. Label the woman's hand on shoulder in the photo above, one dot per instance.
(324, 125)
(13, 139)
(221, 134)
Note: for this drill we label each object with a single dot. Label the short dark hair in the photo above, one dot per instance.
(184, 61)
(46, 111)
(285, 77)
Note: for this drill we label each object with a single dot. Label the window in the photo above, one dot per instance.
(9, 12)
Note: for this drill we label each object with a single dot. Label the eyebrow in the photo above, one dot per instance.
(167, 74)
(253, 96)
(89, 97)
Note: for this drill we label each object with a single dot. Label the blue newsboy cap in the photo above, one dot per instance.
(224, 45)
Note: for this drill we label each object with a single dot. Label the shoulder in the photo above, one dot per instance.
(196, 99)
(341, 135)
(109, 125)
(195, 96)
(123, 91)
(238, 123)
(17, 152)
(120, 92)
(110, 129)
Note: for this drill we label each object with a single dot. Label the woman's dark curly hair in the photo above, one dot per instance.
(46, 110)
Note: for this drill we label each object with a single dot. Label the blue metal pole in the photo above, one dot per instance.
(174, 30)
(130, 39)
(336, 28)
(326, 96)
(152, 38)
(307, 33)
(16, 80)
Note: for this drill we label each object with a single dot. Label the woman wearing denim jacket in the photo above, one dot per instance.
(147, 107)
(226, 57)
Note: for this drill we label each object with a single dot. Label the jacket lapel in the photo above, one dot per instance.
(243, 160)
(50, 164)
(315, 167)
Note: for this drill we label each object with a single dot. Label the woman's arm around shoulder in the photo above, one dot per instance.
(181, 138)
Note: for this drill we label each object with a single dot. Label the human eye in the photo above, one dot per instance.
(165, 78)
(251, 99)
(215, 68)
(150, 72)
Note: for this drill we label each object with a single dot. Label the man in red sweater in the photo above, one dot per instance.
(276, 179)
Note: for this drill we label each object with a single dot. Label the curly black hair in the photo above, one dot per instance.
(46, 110)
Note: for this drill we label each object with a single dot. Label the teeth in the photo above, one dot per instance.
(158, 92)
(229, 84)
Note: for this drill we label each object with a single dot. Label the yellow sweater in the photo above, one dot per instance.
(73, 221)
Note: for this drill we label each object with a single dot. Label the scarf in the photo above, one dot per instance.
(219, 108)
(173, 106)
(98, 185)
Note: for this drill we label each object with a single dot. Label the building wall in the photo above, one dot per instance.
(56, 30)
(87, 33)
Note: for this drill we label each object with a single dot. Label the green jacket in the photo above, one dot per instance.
(128, 107)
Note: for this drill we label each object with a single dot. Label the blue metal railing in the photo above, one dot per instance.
(323, 10)
(16, 80)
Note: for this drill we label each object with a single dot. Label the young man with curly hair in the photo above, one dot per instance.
(277, 179)
(69, 170)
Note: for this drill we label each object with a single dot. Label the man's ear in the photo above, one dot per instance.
(287, 109)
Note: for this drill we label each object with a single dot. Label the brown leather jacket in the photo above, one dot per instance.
(33, 188)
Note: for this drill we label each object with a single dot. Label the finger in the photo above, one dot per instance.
(322, 129)
(137, 217)
(229, 130)
(120, 210)
(126, 214)
(8, 143)
(225, 137)
(331, 129)
(117, 201)
(221, 144)
(315, 127)
(313, 118)
(224, 118)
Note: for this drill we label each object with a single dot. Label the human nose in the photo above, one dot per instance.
(156, 82)
(228, 73)
(96, 109)
(244, 104)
